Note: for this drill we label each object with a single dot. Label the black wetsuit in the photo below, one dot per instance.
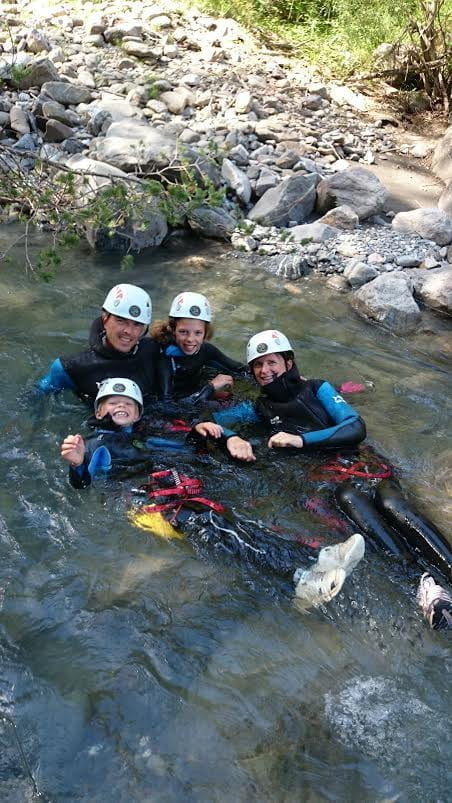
(185, 377)
(314, 410)
(311, 408)
(119, 450)
(82, 372)
(245, 540)
(114, 450)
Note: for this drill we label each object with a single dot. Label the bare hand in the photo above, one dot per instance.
(284, 439)
(206, 428)
(73, 450)
(221, 381)
(241, 449)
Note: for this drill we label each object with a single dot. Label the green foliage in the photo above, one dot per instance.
(338, 35)
(18, 73)
(152, 90)
(67, 205)
(126, 263)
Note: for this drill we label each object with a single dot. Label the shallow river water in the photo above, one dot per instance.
(137, 669)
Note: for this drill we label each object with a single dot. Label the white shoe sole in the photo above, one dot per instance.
(345, 555)
(315, 588)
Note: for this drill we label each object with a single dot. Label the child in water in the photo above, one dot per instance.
(118, 408)
(186, 355)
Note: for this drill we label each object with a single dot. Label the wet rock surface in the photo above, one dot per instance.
(132, 89)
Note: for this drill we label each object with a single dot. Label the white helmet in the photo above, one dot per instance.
(191, 305)
(268, 342)
(129, 301)
(119, 387)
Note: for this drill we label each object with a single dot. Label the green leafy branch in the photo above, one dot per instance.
(67, 202)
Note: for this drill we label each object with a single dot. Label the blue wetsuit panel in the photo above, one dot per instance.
(100, 460)
(338, 409)
(56, 379)
(243, 413)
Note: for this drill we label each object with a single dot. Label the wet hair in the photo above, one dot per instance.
(163, 331)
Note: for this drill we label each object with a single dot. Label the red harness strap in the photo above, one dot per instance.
(337, 471)
(184, 489)
(178, 425)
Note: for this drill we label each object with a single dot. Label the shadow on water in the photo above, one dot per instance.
(136, 668)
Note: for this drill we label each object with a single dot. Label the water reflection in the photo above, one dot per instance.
(139, 668)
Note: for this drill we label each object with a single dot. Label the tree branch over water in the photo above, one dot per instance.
(40, 191)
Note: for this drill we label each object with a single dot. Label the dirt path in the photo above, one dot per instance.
(409, 180)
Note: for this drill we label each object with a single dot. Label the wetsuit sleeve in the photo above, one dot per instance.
(80, 477)
(220, 361)
(97, 461)
(348, 429)
(243, 413)
(56, 379)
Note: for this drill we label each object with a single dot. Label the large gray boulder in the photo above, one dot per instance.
(445, 201)
(210, 222)
(176, 100)
(360, 273)
(442, 157)
(436, 290)
(35, 73)
(130, 144)
(65, 93)
(56, 111)
(433, 224)
(292, 200)
(91, 176)
(342, 217)
(148, 231)
(142, 50)
(237, 180)
(357, 188)
(117, 107)
(316, 232)
(37, 42)
(388, 299)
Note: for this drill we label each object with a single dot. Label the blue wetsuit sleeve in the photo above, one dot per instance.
(155, 442)
(100, 461)
(56, 379)
(243, 413)
(348, 429)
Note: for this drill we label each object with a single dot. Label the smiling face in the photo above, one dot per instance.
(189, 334)
(269, 367)
(124, 411)
(122, 333)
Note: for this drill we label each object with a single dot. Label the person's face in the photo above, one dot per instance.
(122, 333)
(267, 368)
(124, 411)
(189, 334)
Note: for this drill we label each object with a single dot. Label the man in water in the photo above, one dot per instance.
(118, 347)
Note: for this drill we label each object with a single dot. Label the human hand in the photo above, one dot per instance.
(206, 428)
(284, 439)
(73, 450)
(221, 381)
(241, 449)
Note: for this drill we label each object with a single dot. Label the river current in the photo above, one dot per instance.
(141, 669)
